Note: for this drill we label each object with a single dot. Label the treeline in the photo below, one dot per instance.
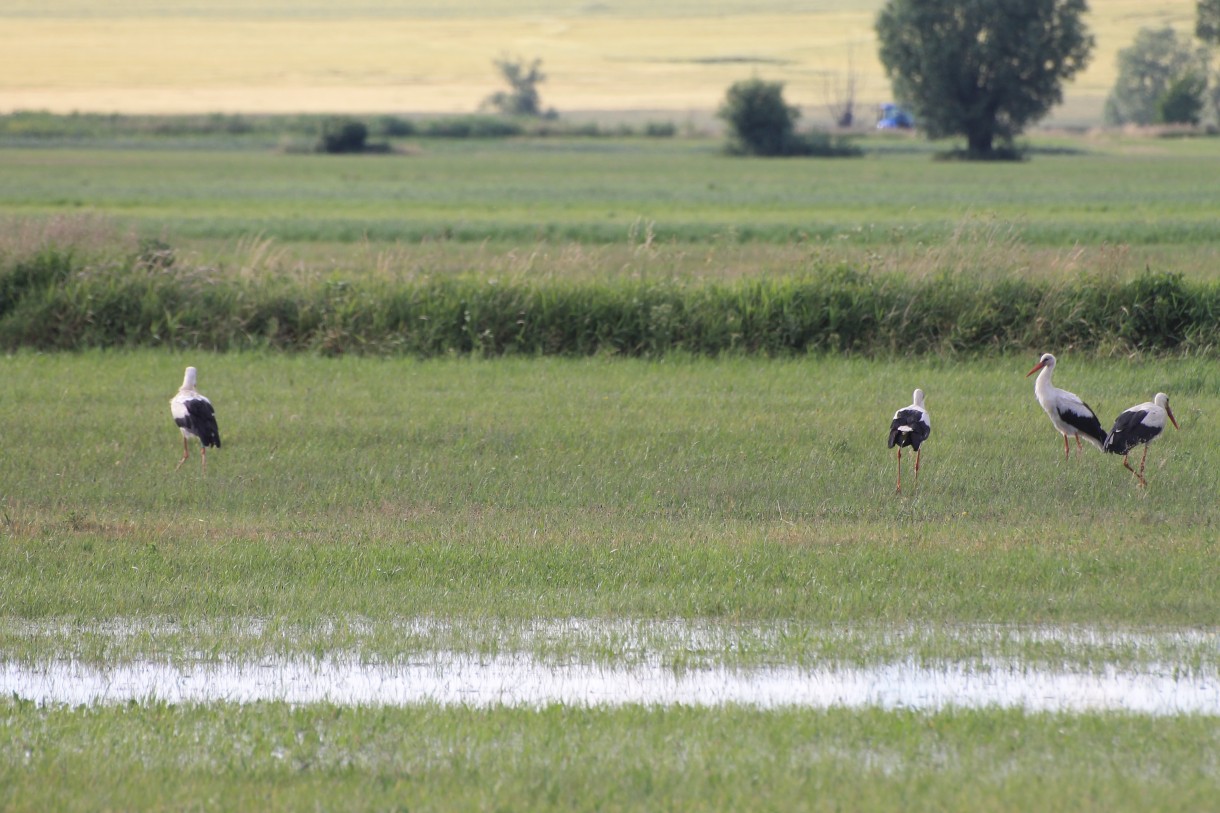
(42, 126)
(52, 301)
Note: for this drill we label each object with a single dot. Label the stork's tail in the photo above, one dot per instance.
(1090, 428)
(1096, 436)
(209, 433)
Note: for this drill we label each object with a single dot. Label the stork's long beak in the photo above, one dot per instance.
(1172, 419)
(1038, 367)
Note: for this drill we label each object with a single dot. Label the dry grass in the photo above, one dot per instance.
(90, 235)
(978, 248)
(433, 60)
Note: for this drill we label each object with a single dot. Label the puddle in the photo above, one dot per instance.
(586, 662)
(523, 680)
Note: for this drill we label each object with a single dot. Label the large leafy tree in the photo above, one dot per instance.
(983, 69)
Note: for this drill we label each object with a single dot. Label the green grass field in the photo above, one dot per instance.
(352, 494)
(606, 207)
(763, 488)
(285, 758)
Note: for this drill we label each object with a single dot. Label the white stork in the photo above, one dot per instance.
(1141, 424)
(1070, 415)
(194, 415)
(910, 427)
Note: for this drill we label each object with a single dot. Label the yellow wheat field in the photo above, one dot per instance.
(273, 56)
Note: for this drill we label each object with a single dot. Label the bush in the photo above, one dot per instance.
(760, 121)
(1182, 102)
(342, 135)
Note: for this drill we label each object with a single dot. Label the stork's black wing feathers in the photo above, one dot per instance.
(1086, 424)
(201, 421)
(908, 429)
(1129, 431)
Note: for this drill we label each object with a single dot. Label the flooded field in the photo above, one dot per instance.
(590, 663)
(450, 678)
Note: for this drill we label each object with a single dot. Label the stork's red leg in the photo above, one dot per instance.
(1079, 446)
(916, 467)
(899, 489)
(186, 452)
(203, 453)
(1067, 450)
(1140, 473)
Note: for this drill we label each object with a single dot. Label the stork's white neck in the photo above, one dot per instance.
(1042, 384)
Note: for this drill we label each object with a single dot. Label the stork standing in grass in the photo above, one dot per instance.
(195, 417)
(1070, 415)
(910, 427)
(1141, 424)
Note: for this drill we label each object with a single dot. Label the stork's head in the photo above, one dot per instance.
(1162, 400)
(188, 380)
(918, 398)
(1047, 361)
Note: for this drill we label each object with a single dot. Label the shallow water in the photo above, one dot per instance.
(522, 680)
(579, 661)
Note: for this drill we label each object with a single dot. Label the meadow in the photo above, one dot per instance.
(384, 504)
(1141, 194)
(611, 209)
(755, 496)
(763, 488)
(286, 758)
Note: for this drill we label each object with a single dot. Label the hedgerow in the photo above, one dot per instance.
(54, 301)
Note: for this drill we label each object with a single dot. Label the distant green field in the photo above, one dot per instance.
(1116, 206)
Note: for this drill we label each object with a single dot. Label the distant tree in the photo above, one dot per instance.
(983, 69)
(522, 99)
(1146, 70)
(1207, 21)
(841, 94)
(340, 135)
(760, 121)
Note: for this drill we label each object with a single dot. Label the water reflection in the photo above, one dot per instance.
(522, 680)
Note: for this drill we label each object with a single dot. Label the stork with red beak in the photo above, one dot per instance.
(1070, 415)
